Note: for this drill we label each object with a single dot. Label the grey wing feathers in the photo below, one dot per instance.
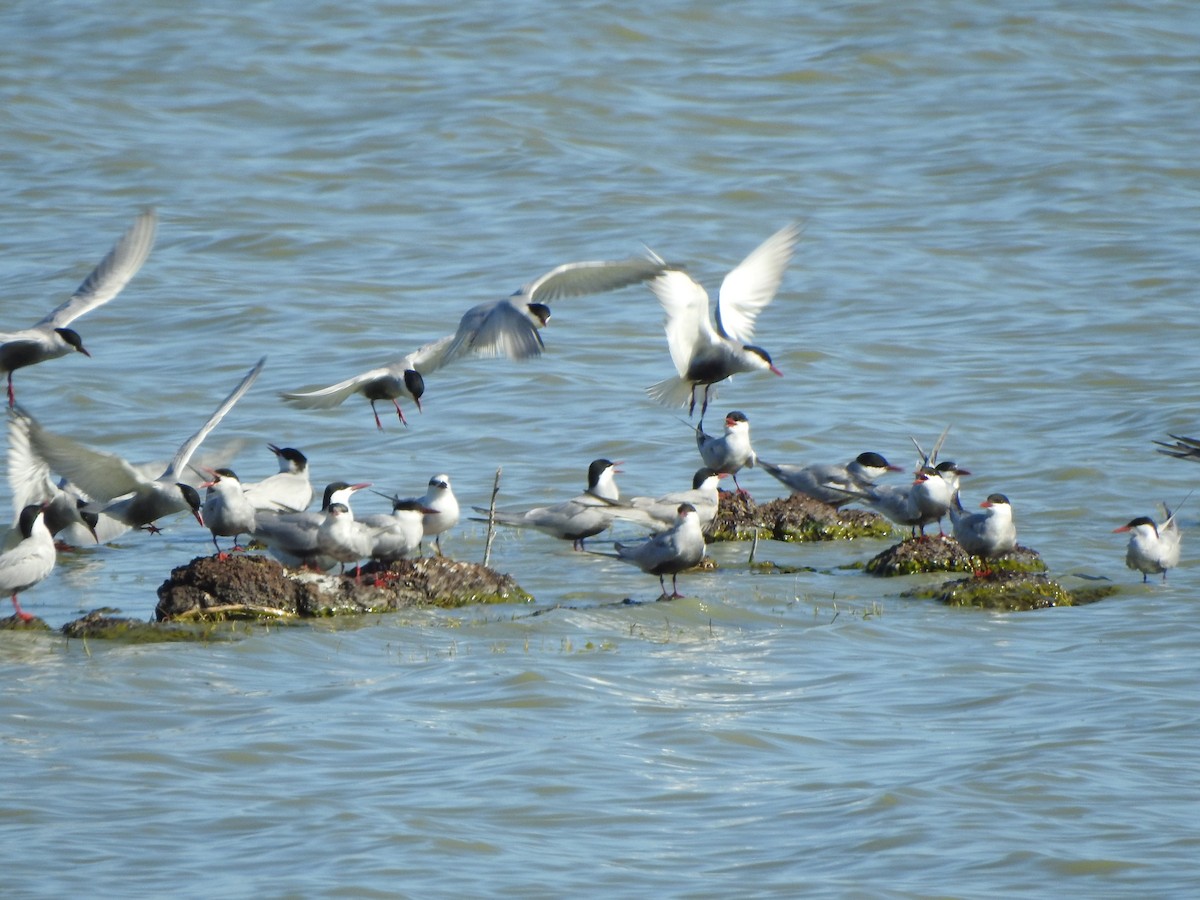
(112, 273)
(577, 279)
(184, 454)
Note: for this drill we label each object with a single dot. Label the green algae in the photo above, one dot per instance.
(1009, 592)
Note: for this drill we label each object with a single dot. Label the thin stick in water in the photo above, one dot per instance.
(491, 520)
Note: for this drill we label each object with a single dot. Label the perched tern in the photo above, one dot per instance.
(51, 337)
(1152, 548)
(402, 378)
(441, 509)
(342, 539)
(291, 537)
(227, 511)
(31, 560)
(935, 493)
(509, 327)
(118, 487)
(899, 504)
(289, 489)
(662, 513)
(396, 535)
(729, 453)
(669, 552)
(576, 519)
(828, 482)
(705, 354)
(988, 533)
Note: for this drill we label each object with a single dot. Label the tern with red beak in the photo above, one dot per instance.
(703, 353)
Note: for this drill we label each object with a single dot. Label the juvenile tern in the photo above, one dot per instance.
(827, 482)
(30, 561)
(396, 535)
(118, 487)
(401, 378)
(576, 519)
(704, 354)
(227, 511)
(342, 539)
(51, 337)
(1152, 548)
(669, 552)
(441, 509)
(509, 327)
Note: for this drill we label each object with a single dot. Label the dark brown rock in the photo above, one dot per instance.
(238, 585)
(259, 587)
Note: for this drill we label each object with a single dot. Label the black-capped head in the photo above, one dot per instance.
(192, 498)
(90, 519)
(1140, 520)
(415, 385)
(330, 489)
(71, 336)
(995, 499)
(874, 460)
(224, 473)
(28, 516)
(597, 469)
(763, 355)
(540, 311)
(950, 468)
(735, 416)
(702, 475)
(298, 462)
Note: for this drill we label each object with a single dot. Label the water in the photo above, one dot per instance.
(1000, 235)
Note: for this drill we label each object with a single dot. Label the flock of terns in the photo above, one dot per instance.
(62, 487)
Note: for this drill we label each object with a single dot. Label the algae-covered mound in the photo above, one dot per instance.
(256, 587)
(942, 553)
(796, 518)
(937, 553)
(1010, 591)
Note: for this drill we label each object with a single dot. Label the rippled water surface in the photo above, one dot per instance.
(1000, 234)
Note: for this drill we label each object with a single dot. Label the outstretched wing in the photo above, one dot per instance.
(577, 279)
(497, 328)
(335, 394)
(184, 453)
(111, 275)
(687, 322)
(752, 285)
(102, 476)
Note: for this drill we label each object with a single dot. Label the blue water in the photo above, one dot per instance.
(1000, 235)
